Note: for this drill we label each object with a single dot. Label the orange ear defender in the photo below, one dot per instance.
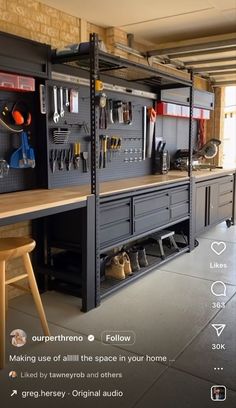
(20, 114)
(18, 118)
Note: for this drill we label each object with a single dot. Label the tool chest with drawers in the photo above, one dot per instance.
(89, 118)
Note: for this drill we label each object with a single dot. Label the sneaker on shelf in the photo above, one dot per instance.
(142, 257)
(124, 257)
(133, 256)
(115, 269)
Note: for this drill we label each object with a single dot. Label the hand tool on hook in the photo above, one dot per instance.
(61, 159)
(151, 113)
(85, 162)
(69, 159)
(144, 132)
(56, 115)
(109, 148)
(100, 151)
(67, 97)
(104, 148)
(24, 156)
(110, 110)
(62, 112)
(53, 159)
(76, 155)
(4, 168)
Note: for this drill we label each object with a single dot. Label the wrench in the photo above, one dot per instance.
(56, 115)
(67, 97)
(4, 168)
(62, 112)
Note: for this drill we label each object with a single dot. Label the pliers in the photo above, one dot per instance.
(61, 159)
(53, 159)
(69, 159)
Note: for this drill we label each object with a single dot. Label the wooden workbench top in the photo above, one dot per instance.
(208, 174)
(24, 202)
(135, 183)
(205, 174)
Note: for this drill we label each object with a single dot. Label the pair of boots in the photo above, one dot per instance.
(138, 258)
(119, 267)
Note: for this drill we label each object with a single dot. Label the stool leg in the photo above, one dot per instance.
(6, 299)
(172, 241)
(35, 293)
(2, 314)
(161, 249)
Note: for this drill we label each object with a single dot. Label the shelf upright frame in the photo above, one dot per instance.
(94, 75)
(190, 164)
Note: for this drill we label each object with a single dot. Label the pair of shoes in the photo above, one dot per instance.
(127, 264)
(138, 258)
(114, 269)
(119, 267)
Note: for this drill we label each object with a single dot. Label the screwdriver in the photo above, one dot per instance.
(76, 155)
(119, 144)
(109, 149)
(101, 149)
(104, 148)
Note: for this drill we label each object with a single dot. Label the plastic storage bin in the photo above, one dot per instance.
(26, 83)
(16, 82)
(8, 81)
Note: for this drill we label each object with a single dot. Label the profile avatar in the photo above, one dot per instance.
(218, 393)
(18, 338)
(13, 374)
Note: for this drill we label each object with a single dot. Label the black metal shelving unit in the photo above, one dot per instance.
(98, 63)
(112, 286)
(94, 75)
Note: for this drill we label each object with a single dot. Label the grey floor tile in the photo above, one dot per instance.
(221, 233)
(179, 390)
(157, 308)
(136, 377)
(197, 263)
(170, 310)
(200, 360)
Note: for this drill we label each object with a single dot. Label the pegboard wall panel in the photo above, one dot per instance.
(121, 163)
(175, 131)
(20, 178)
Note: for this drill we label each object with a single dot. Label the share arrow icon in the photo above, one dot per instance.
(219, 328)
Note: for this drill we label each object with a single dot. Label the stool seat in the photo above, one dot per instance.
(14, 247)
(11, 248)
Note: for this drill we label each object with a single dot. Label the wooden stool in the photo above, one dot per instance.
(13, 248)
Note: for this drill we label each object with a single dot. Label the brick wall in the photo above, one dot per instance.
(36, 21)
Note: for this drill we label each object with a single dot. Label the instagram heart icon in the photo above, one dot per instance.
(218, 247)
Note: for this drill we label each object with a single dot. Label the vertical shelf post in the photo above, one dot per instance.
(94, 74)
(190, 164)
